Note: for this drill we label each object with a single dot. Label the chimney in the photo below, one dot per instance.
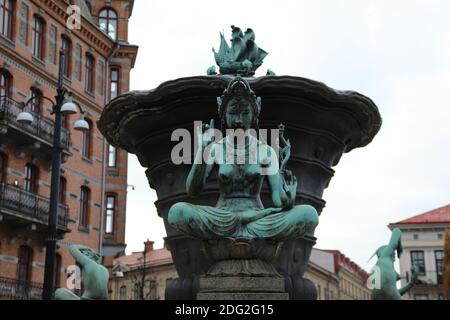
(148, 245)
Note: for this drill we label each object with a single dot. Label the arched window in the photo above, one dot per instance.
(112, 156)
(111, 203)
(31, 178)
(107, 21)
(3, 160)
(62, 190)
(84, 206)
(25, 257)
(87, 140)
(6, 17)
(123, 293)
(66, 47)
(36, 102)
(5, 83)
(38, 37)
(114, 88)
(89, 72)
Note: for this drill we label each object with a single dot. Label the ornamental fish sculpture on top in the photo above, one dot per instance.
(243, 57)
(239, 212)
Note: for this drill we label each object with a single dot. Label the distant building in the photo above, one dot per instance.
(146, 276)
(93, 174)
(340, 278)
(423, 243)
(143, 275)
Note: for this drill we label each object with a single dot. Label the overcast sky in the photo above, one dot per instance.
(395, 52)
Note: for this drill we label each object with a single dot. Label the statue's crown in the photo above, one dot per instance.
(238, 88)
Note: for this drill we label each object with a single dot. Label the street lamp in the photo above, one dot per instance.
(59, 108)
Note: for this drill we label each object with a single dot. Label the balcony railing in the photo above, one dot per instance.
(15, 289)
(41, 127)
(30, 205)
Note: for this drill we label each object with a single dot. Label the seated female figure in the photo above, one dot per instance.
(239, 212)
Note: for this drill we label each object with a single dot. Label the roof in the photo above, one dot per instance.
(341, 261)
(153, 257)
(439, 215)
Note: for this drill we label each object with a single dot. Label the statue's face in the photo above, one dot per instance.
(239, 114)
(91, 254)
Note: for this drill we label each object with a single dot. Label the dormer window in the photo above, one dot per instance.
(107, 21)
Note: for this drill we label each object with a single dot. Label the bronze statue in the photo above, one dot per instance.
(384, 275)
(239, 212)
(94, 276)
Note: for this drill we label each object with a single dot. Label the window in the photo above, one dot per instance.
(87, 140)
(84, 206)
(36, 102)
(101, 71)
(112, 156)
(52, 43)
(415, 236)
(420, 297)
(137, 291)
(89, 73)
(439, 259)
(2, 167)
(326, 294)
(31, 178)
(123, 293)
(62, 190)
(417, 257)
(6, 18)
(107, 21)
(25, 257)
(152, 290)
(23, 27)
(114, 85)
(38, 38)
(78, 54)
(66, 47)
(5, 83)
(319, 292)
(110, 213)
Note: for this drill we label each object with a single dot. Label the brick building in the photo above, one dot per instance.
(94, 174)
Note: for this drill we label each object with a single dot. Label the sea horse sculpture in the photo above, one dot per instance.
(384, 277)
(239, 212)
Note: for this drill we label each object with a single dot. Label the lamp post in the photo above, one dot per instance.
(59, 109)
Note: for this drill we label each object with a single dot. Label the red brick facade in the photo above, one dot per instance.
(21, 43)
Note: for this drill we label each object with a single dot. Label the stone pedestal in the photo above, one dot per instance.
(242, 270)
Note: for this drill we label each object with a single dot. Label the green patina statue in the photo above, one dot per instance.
(243, 57)
(239, 212)
(384, 277)
(94, 276)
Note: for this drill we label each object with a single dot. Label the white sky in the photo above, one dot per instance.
(395, 52)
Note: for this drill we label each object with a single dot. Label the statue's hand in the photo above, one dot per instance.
(290, 185)
(414, 272)
(204, 135)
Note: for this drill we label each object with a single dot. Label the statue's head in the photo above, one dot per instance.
(91, 254)
(238, 106)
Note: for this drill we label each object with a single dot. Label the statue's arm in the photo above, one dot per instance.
(414, 275)
(395, 243)
(199, 172)
(280, 198)
(78, 255)
(283, 188)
